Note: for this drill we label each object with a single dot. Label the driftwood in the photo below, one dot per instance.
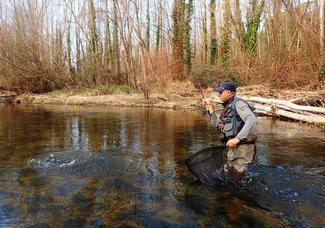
(286, 109)
(274, 111)
(285, 104)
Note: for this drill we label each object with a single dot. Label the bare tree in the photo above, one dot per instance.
(178, 45)
(321, 29)
(213, 29)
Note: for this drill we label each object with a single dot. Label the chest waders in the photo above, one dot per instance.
(231, 119)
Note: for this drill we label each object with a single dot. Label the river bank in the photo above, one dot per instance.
(178, 98)
(283, 104)
(121, 100)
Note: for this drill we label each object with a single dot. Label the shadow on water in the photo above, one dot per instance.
(74, 166)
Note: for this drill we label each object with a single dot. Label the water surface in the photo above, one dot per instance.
(102, 166)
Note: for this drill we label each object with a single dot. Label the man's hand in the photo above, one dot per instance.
(232, 143)
(208, 104)
(220, 126)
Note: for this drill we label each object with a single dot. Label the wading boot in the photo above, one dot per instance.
(233, 176)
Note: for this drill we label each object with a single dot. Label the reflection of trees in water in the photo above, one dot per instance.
(82, 205)
(38, 201)
(101, 129)
(158, 140)
(48, 129)
(28, 130)
(163, 139)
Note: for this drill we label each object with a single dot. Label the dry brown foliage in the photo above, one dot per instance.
(39, 52)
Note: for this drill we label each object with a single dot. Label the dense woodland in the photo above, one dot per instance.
(141, 44)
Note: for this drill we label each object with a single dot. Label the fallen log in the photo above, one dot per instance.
(274, 111)
(289, 105)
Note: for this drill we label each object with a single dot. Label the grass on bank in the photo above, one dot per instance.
(178, 88)
(94, 91)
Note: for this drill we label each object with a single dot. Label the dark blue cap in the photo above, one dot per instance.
(225, 86)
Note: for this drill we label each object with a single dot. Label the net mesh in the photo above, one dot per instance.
(207, 166)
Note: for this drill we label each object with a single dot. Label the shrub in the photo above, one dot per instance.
(206, 76)
(125, 89)
(235, 78)
(211, 76)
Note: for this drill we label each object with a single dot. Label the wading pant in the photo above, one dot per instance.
(238, 160)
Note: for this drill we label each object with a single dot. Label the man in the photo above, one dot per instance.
(237, 123)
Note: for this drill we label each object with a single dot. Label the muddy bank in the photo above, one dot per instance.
(179, 99)
(135, 100)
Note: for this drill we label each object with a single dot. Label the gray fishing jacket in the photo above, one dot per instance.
(237, 119)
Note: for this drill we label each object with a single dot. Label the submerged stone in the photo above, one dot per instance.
(8, 212)
(97, 223)
(40, 225)
(73, 223)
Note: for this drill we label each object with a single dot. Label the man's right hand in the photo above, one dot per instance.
(208, 104)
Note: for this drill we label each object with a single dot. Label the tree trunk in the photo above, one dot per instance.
(276, 29)
(116, 53)
(69, 48)
(78, 57)
(108, 42)
(159, 24)
(238, 24)
(93, 30)
(148, 27)
(205, 36)
(253, 22)
(321, 25)
(225, 35)
(213, 29)
(187, 36)
(178, 45)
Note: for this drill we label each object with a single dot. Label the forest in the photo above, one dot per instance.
(136, 45)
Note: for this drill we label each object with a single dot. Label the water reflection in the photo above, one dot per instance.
(129, 167)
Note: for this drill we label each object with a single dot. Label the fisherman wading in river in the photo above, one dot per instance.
(237, 124)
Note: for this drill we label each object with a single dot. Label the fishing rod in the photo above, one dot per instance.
(202, 94)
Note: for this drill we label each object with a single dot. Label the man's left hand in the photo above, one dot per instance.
(232, 143)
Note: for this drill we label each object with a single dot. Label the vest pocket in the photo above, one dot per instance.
(228, 129)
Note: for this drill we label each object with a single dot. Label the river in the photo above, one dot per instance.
(74, 166)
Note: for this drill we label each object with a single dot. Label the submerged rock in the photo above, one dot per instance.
(97, 223)
(40, 225)
(71, 223)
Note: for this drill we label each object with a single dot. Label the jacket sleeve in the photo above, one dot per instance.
(247, 133)
(214, 119)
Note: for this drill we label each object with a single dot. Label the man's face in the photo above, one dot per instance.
(225, 95)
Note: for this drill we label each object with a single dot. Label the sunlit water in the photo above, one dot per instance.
(101, 166)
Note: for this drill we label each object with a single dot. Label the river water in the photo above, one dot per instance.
(66, 166)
